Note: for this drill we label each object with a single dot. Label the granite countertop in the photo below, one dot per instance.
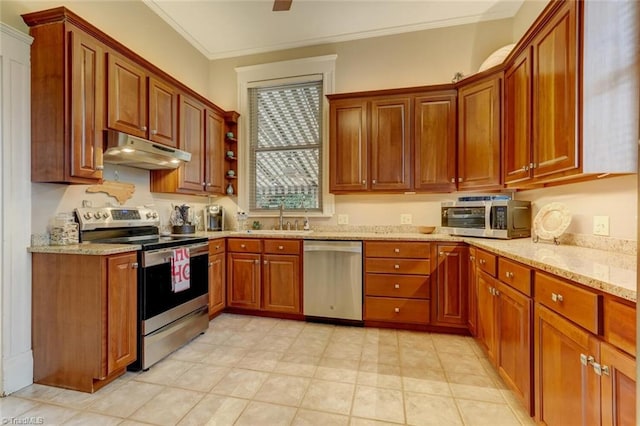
(608, 271)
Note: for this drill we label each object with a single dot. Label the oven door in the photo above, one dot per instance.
(156, 295)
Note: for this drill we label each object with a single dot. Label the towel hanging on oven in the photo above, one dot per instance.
(180, 270)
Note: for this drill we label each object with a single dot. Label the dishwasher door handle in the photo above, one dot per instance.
(332, 248)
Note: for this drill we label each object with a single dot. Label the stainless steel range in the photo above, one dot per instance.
(172, 283)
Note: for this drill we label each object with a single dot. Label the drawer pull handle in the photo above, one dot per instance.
(217, 247)
(441, 253)
(396, 310)
(396, 250)
(243, 246)
(265, 262)
(557, 297)
(472, 258)
(257, 262)
(396, 286)
(134, 265)
(280, 247)
(509, 274)
(396, 266)
(210, 264)
(482, 261)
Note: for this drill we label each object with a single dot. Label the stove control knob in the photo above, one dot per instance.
(149, 215)
(105, 215)
(87, 215)
(97, 215)
(155, 215)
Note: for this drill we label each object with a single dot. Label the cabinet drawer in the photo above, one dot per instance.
(578, 305)
(487, 262)
(282, 246)
(413, 250)
(409, 286)
(396, 310)
(216, 246)
(244, 245)
(398, 266)
(516, 275)
(620, 325)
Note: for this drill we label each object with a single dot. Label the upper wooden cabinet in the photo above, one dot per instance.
(67, 70)
(434, 141)
(163, 112)
(393, 141)
(479, 133)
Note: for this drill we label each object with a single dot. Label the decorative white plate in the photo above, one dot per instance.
(551, 221)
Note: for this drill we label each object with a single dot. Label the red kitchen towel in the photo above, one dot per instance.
(180, 270)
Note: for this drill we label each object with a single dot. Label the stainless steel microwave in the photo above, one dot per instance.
(487, 216)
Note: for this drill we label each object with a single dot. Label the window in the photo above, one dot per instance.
(285, 143)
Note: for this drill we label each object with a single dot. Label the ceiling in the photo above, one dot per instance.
(229, 28)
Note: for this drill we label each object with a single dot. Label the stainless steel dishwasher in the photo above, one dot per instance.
(333, 279)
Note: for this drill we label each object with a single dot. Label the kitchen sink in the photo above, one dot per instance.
(274, 232)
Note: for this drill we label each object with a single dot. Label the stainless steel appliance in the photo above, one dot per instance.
(333, 280)
(492, 216)
(167, 319)
(214, 217)
(132, 151)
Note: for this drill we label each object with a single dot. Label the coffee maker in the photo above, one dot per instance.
(214, 217)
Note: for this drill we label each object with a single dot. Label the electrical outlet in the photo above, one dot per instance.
(601, 225)
(343, 219)
(405, 219)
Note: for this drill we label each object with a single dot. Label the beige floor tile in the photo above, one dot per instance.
(453, 344)
(77, 400)
(128, 422)
(226, 356)
(164, 372)
(84, 418)
(343, 350)
(12, 406)
(378, 404)
(381, 336)
(38, 392)
(231, 321)
(423, 409)
(469, 364)
(125, 400)
(374, 367)
(419, 358)
(261, 324)
(431, 387)
(308, 346)
(168, 407)
(380, 353)
(379, 380)
(424, 373)
(486, 413)
(215, 410)
(283, 390)
(345, 334)
(317, 331)
(297, 365)
(193, 352)
(287, 328)
(338, 370)
(415, 340)
(327, 396)
(317, 418)
(240, 383)
(273, 343)
(356, 421)
(517, 407)
(470, 379)
(259, 360)
(48, 414)
(477, 393)
(201, 377)
(244, 339)
(262, 413)
(215, 336)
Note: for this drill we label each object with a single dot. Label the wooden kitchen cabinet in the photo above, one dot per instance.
(434, 141)
(618, 387)
(472, 319)
(215, 152)
(126, 96)
(281, 283)
(479, 133)
(243, 280)
(88, 302)
(451, 300)
(486, 326)
(217, 277)
(191, 138)
(163, 112)
(67, 103)
(348, 145)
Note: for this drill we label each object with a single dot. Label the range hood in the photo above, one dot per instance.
(131, 151)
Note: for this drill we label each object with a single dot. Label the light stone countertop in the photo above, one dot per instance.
(608, 271)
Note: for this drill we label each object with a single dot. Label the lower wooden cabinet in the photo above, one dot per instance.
(84, 323)
(265, 275)
(618, 387)
(472, 317)
(486, 328)
(451, 297)
(217, 277)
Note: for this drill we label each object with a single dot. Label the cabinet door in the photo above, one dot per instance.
(517, 119)
(567, 389)
(191, 139)
(618, 385)
(514, 354)
(217, 287)
(348, 146)
(451, 289)
(486, 331)
(473, 298)
(214, 159)
(389, 144)
(163, 113)
(434, 142)
(554, 87)
(122, 311)
(126, 96)
(479, 134)
(243, 280)
(281, 283)
(87, 105)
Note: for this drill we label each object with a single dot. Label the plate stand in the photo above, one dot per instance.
(537, 239)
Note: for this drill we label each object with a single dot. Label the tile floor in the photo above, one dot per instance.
(260, 371)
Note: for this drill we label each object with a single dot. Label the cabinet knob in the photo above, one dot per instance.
(396, 310)
(373, 181)
(204, 183)
(143, 128)
(453, 180)
(257, 262)
(265, 262)
(280, 247)
(397, 250)
(482, 261)
(243, 246)
(208, 183)
(557, 298)
(396, 266)
(154, 132)
(364, 182)
(532, 165)
(217, 247)
(459, 179)
(396, 286)
(99, 167)
(472, 258)
(134, 265)
(526, 167)
(508, 274)
(210, 264)
(441, 253)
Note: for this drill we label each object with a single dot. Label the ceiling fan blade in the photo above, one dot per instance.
(281, 5)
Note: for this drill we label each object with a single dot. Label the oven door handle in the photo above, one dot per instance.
(161, 256)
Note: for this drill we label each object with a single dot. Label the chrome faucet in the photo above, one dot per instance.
(281, 221)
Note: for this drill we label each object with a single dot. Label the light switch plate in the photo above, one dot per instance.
(601, 225)
(343, 219)
(406, 219)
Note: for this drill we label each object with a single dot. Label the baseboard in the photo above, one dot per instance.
(17, 372)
